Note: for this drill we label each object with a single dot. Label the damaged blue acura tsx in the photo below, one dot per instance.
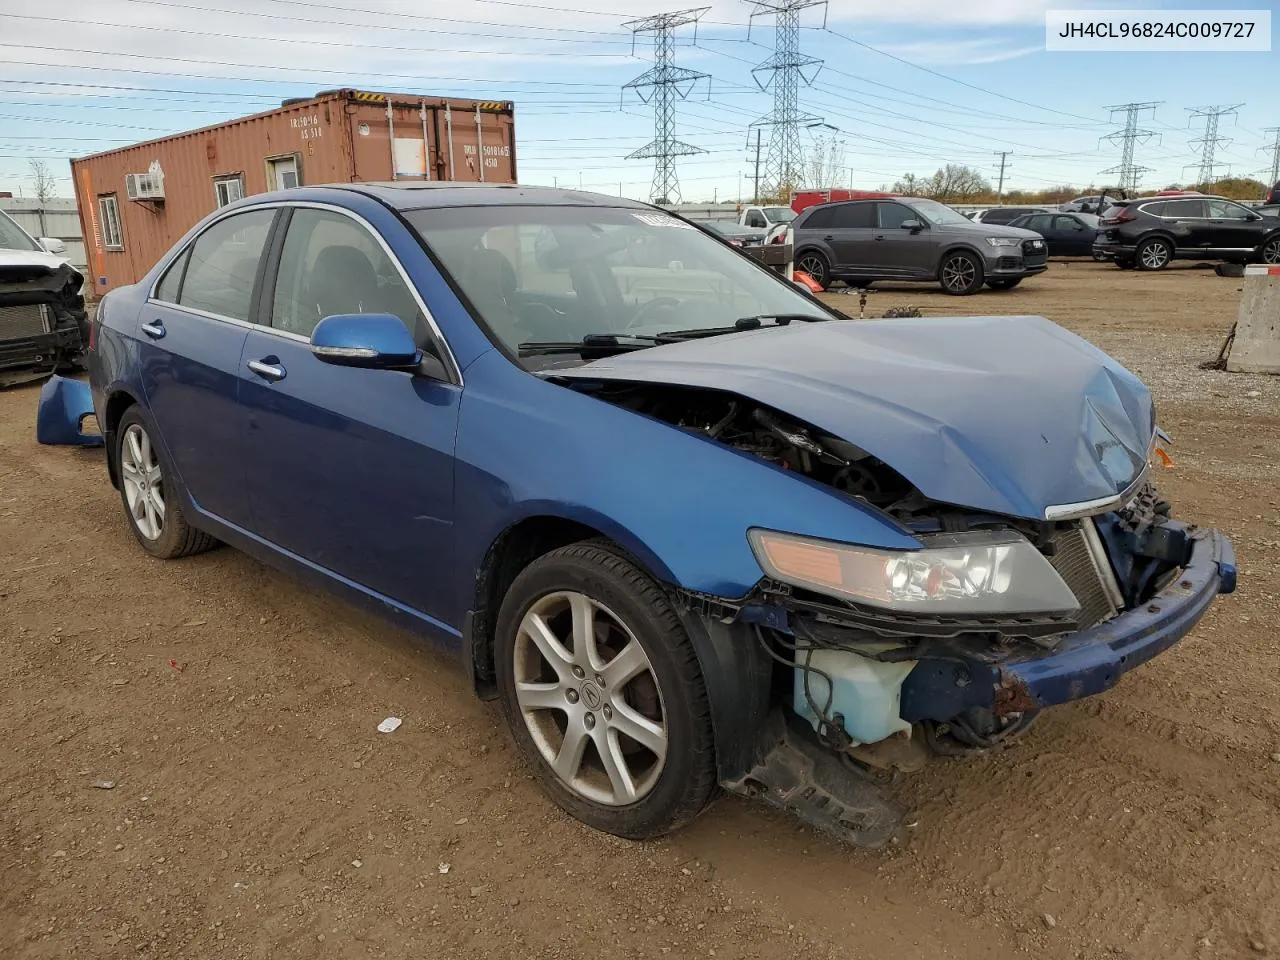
(692, 528)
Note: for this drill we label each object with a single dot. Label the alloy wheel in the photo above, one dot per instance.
(813, 265)
(959, 273)
(143, 482)
(590, 699)
(1155, 256)
(1271, 252)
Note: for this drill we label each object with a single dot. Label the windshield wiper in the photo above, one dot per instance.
(593, 344)
(742, 323)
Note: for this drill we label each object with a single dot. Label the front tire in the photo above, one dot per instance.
(1154, 254)
(603, 693)
(960, 274)
(816, 266)
(150, 499)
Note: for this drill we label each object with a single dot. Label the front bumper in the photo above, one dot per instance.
(1093, 660)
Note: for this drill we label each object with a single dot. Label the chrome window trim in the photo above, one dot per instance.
(452, 367)
(1089, 508)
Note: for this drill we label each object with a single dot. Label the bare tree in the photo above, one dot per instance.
(42, 181)
(826, 161)
(909, 185)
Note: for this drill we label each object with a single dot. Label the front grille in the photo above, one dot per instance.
(1008, 263)
(1083, 566)
(26, 320)
(1034, 255)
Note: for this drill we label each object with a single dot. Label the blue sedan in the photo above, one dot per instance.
(691, 527)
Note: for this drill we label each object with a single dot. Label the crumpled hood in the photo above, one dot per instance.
(1004, 414)
(30, 258)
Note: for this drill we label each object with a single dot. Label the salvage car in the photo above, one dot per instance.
(1065, 234)
(689, 526)
(42, 315)
(1150, 233)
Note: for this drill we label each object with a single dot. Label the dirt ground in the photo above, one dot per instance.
(257, 813)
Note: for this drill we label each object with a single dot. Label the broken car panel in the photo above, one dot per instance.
(687, 524)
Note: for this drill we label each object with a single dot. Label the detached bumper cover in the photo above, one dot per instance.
(1091, 661)
(64, 407)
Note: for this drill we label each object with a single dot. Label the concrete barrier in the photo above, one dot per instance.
(1256, 348)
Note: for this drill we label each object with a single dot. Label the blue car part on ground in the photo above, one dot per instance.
(913, 460)
(65, 406)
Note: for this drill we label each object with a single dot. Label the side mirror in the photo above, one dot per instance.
(377, 341)
(52, 245)
(915, 226)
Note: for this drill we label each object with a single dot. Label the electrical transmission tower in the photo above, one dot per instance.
(1004, 162)
(1275, 155)
(787, 71)
(1128, 173)
(663, 84)
(1209, 143)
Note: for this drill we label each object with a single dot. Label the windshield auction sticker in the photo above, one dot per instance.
(1096, 31)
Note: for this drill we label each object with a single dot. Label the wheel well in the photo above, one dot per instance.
(517, 547)
(117, 404)
(961, 248)
(1167, 238)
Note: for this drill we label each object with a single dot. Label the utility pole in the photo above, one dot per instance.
(787, 71)
(1209, 143)
(1275, 156)
(1128, 173)
(755, 197)
(1004, 156)
(663, 84)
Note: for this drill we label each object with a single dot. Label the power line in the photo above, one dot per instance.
(1129, 172)
(786, 69)
(1208, 143)
(665, 83)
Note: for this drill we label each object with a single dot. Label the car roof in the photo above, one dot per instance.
(419, 195)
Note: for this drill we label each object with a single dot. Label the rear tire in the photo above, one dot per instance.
(1004, 284)
(1154, 254)
(816, 266)
(573, 719)
(1271, 251)
(960, 274)
(150, 499)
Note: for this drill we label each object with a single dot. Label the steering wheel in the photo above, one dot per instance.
(649, 306)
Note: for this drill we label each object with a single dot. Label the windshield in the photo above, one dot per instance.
(940, 215)
(779, 214)
(559, 273)
(13, 237)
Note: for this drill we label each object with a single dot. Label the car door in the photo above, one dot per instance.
(1188, 221)
(1234, 227)
(350, 469)
(192, 332)
(851, 236)
(1070, 236)
(899, 252)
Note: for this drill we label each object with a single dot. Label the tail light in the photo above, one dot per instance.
(780, 238)
(1124, 216)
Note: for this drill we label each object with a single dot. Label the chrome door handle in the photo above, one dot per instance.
(154, 329)
(268, 371)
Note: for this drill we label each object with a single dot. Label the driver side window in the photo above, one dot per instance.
(1226, 210)
(329, 265)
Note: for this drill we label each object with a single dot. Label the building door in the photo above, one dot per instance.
(283, 173)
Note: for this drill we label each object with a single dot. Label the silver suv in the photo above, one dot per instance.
(907, 238)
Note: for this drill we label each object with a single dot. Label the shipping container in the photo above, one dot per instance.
(136, 202)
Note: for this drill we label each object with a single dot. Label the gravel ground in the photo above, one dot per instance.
(256, 813)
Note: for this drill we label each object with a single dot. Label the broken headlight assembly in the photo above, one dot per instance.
(980, 573)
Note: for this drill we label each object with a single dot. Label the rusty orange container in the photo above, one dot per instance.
(136, 202)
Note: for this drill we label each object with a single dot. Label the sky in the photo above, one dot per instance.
(908, 85)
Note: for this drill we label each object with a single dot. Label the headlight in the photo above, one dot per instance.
(1004, 241)
(965, 573)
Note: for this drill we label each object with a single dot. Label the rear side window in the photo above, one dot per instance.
(853, 215)
(1038, 223)
(819, 217)
(224, 264)
(169, 285)
(1063, 222)
(1184, 209)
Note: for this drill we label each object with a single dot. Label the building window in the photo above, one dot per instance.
(228, 189)
(282, 173)
(109, 212)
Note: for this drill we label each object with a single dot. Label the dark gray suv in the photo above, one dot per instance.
(907, 238)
